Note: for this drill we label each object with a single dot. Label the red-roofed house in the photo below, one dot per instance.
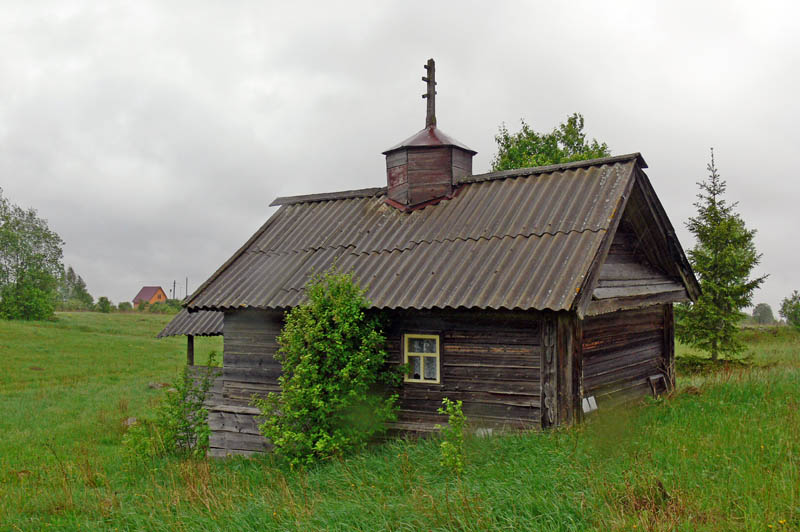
(150, 294)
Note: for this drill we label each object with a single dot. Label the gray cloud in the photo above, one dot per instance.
(153, 136)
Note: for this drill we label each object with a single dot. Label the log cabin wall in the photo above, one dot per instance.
(249, 367)
(490, 360)
(627, 354)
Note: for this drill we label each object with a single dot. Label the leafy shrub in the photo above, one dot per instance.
(104, 305)
(333, 364)
(158, 308)
(790, 309)
(30, 298)
(124, 306)
(452, 446)
(71, 305)
(762, 314)
(169, 306)
(143, 306)
(180, 426)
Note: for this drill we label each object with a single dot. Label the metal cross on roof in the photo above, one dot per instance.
(430, 94)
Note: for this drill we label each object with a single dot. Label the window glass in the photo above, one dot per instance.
(430, 368)
(415, 371)
(422, 345)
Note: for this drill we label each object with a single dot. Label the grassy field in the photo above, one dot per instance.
(720, 454)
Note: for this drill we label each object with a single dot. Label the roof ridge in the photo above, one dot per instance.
(489, 176)
(520, 172)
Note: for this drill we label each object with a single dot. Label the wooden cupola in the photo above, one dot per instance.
(425, 167)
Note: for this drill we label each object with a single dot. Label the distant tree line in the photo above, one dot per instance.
(169, 306)
(30, 263)
(72, 292)
(790, 309)
(33, 281)
(762, 314)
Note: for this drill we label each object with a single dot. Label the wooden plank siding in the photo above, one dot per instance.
(507, 367)
(249, 365)
(249, 368)
(636, 272)
(627, 272)
(622, 350)
(214, 396)
(489, 360)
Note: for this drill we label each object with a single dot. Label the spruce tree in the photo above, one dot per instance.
(723, 258)
(81, 293)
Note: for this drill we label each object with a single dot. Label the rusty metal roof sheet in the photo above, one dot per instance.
(511, 240)
(203, 323)
(430, 136)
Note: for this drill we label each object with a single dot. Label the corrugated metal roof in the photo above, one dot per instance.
(521, 240)
(202, 323)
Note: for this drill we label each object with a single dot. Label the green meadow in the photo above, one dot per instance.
(721, 453)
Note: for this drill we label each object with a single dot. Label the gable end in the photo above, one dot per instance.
(644, 264)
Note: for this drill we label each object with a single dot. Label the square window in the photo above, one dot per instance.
(421, 353)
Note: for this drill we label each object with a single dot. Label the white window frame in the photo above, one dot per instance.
(437, 356)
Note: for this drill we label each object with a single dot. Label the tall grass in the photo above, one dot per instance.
(720, 454)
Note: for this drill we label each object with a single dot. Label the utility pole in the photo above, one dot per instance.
(174, 296)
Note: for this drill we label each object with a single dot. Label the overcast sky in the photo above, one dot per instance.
(153, 135)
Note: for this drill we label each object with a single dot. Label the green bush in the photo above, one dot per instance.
(158, 308)
(125, 306)
(180, 426)
(169, 306)
(71, 305)
(790, 309)
(175, 304)
(31, 297)
(333, 360)
(103, 305)
(762, 314)
(452, 446)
